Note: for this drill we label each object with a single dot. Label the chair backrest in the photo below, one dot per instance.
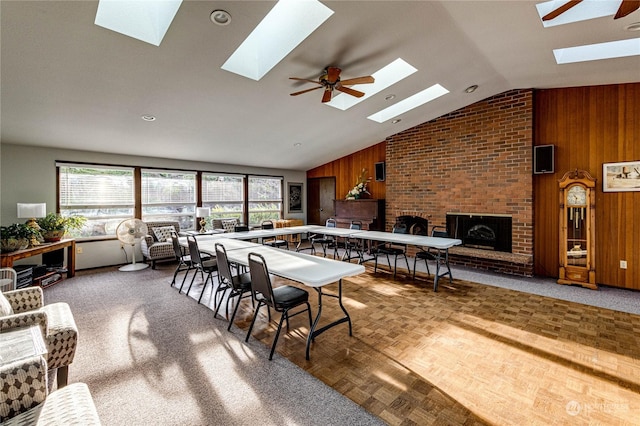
(267, 224)
(436, 233)
(176, 245)
(355, 224)
(399, 228)
(241, 228)
(194, 251)
(331, 223)
(260, 279)
(8, 279)
(224, 270)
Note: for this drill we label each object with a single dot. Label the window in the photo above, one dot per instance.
(169, 195)
(104, 195)
(224, 194)
(265, 199)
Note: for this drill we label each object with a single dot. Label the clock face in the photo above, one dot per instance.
(577, 196)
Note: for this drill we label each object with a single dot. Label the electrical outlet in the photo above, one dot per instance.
(79, 249)
(623, 264)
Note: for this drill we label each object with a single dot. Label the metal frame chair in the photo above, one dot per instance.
(354, 244)
(428, 254)
(204, 266)
(238, 284)
(282, 299)
(275, 241)
(392, 249)
(184, 260)
(325, 241)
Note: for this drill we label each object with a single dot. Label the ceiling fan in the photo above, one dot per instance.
(330, 80)
(626, 7)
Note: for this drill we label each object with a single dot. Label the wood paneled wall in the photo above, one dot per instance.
(347, 169)
(590, 126)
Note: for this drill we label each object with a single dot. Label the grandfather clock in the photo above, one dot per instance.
(577, 229)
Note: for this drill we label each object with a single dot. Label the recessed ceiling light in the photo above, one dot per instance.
(297, 144)
(220, 17)
(396, 121)
(384, 77)
(633, 27)
(145, 20)
(284, 28)
(471, 89)
(410, 103)
(389, 97)
(148, 117)
(594, 52)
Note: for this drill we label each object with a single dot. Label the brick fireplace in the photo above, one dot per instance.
(476, 159)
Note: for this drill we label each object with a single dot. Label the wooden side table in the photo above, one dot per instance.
(69, 243)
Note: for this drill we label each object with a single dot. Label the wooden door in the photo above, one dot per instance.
(320, 196)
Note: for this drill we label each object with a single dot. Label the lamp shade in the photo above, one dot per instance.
(203, 212)
(29, 210)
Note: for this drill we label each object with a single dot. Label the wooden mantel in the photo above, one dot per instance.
(368, 211)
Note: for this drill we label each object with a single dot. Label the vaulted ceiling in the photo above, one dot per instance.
(69, 83)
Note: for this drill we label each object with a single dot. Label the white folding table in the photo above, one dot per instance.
(440, 244)
(312, 271)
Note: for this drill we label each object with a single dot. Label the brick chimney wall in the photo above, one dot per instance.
(477, 159)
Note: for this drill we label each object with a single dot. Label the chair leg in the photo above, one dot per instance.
(253, 321)
(235, 310)
(62, 376)
(285, 314)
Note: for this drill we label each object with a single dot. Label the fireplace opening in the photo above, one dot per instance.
(416, 225)
(487, 232)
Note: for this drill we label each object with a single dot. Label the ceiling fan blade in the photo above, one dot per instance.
(568, 5)
(327, 95)
(333, 73)
(358, 80)
(626, 7)
(350, 91)
(305, 91)
(304, 79)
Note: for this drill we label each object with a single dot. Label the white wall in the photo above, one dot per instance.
(28, 175)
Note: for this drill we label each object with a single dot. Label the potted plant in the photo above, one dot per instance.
(54, 226)
(16, 237)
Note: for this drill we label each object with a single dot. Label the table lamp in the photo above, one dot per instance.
(203, 213)
(32, 211)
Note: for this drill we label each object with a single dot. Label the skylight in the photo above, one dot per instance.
(594, 52)
(410, 103)
(587, 9)
(384, 77)
(284, 28)
(144, 20)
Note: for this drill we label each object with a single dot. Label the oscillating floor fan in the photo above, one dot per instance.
(129, 232)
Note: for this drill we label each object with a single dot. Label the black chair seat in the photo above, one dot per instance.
(239, 285)
(289, 296)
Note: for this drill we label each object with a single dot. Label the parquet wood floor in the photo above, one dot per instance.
(469, 354)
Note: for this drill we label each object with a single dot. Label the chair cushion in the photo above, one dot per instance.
(5, 306)
(229, 224)
(163, 233)
(288, 296)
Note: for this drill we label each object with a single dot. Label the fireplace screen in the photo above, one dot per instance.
(488, 232)
(416, 225)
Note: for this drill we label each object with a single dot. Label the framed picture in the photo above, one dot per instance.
(295, 197)
(618, 177)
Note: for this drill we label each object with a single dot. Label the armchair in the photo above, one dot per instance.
(154, 248)
(56, 322)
